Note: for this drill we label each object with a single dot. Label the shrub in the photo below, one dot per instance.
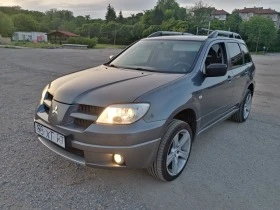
(90, 42)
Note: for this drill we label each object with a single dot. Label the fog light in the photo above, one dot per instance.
(118, 159)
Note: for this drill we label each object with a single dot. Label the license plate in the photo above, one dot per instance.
(49, 134)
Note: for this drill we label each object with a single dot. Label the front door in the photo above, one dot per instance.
(217, 92)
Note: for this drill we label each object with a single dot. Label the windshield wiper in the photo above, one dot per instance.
(111, 65)
(139, 69)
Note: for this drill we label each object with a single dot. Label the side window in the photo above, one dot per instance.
(235, 54)
(245, 51)
(216, 54)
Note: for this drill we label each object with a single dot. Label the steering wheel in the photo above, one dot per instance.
(181, 66)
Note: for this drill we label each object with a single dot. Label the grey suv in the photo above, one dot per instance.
(144, 108)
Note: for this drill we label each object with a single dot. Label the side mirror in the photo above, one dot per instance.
(216, 70)
(111, 57)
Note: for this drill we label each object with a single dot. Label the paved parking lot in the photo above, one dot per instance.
(232, 166)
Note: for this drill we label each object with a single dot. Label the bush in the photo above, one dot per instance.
(90, 42)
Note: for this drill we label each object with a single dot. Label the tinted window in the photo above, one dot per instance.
(159, 55)
(235, 54)
(247, 57)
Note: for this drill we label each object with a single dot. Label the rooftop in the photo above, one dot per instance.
(257, 10)
(219, 12)
(64, 33)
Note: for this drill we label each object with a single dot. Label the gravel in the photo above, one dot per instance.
(232, 166)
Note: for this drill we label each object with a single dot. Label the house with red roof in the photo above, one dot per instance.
(60, 37)
(247, 13)
(219, 14)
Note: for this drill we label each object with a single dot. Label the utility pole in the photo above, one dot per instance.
(209, 26)
(115, 37)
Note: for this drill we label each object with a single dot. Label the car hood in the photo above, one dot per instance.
(102, 86)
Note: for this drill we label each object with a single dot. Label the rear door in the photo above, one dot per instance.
(241, 63)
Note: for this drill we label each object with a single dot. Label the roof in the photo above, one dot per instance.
(249, 10)
(257, 10)
(219, 12)
(64, 33)
(266, 11)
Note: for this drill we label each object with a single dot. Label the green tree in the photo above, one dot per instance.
(218, 25)
(68, 26)
(80, 20)
(120, 18)
(199, 17)
(6, 25)
(133, 19)
(23, 22)
(259, 32)
(87, 17)
(150, 30)
(111, 14)
(276, 44)
(233, 22)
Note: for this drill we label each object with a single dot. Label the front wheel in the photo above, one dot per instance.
(245, 108)
(173, 153)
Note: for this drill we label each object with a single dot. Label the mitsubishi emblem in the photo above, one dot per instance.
(55, 110)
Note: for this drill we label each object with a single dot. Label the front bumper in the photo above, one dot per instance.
(137, 143)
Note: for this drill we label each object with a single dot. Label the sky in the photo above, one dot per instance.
(97, 8)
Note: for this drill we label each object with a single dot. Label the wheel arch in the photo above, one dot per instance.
(251, 87)
(189, 116)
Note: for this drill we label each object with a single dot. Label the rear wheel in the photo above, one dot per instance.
(245, 108)
(173, 153)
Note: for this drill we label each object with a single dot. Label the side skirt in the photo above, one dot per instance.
(219, 120)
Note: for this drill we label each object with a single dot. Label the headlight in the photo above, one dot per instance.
(123, 113)
(44, 94)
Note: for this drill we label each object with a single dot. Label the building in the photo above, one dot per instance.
(219, 14)
(30, 36)
(247, 13)
(60, 37)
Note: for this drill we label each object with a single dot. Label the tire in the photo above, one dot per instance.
(240, 115)
(167, 150)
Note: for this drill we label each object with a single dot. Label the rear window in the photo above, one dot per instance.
(245, 51)
(235, 54)
(159, 56)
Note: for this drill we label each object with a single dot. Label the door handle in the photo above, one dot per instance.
(229, 78)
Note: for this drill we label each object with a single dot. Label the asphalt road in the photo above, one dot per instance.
(232, 166)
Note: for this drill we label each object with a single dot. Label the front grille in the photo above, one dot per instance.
(47, 102)
(92, 110)
(47, 109)
(49, 96)
(86, 115)
(82, 122)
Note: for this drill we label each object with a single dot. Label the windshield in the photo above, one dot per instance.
(159, 56)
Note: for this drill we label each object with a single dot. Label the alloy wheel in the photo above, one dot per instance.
(178, 152)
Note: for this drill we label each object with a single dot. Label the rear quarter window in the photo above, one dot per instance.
(245, 51)
(235, 54)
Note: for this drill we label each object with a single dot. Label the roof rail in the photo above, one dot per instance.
(228, 34)
(167, 33)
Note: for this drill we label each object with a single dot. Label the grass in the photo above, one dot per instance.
(109, 46)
